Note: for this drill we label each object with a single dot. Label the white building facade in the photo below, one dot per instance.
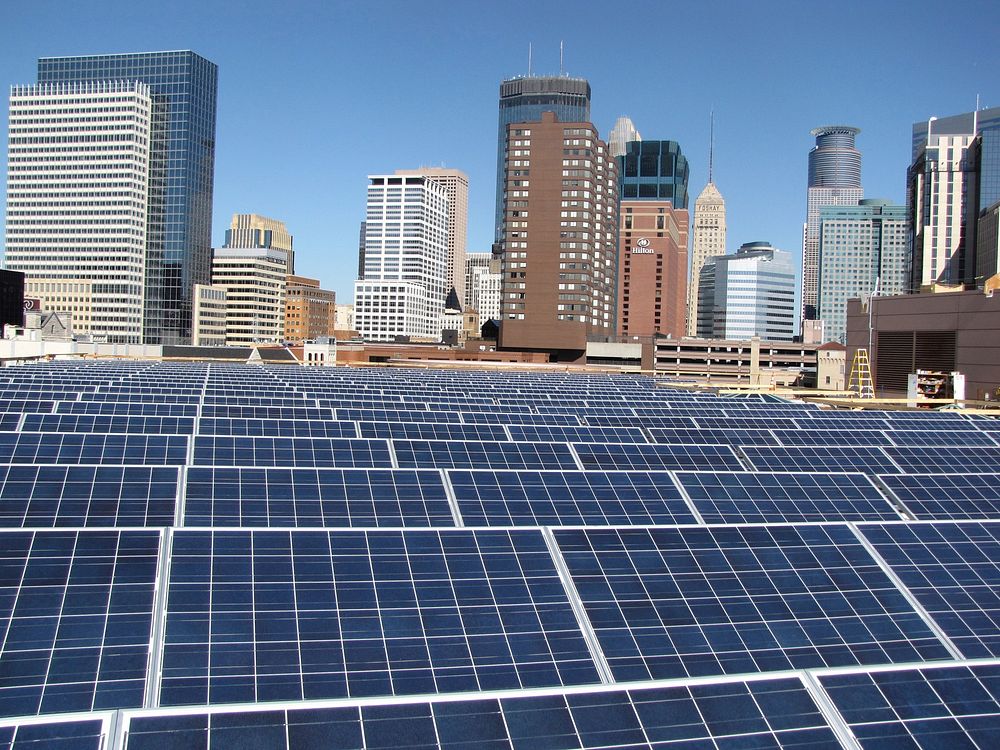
(708, 239)
(77, 196)
(403, 290)
(254, 283)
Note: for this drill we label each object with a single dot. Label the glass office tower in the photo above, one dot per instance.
(523, 99)
(654, 170)
(182, 166)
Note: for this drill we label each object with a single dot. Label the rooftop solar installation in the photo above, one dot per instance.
(446, 454)
(570, 433)
(267, 615)
(85, 496)
(759, 497)
(97, 423)
(733, 436)
(696, 601)
(220, 450)
(432, 431)
(946, 707)
(953, 569)
(811, 436)
(638, 456)
(79, 448)
(323, 498)
(276, 427)
(946, 459)
(869, 459)
(567, 498)
(947, 496)
(76, 611)
(127, 409)
(265, 412)
(946, 437)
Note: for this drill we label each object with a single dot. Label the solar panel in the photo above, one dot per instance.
(733, 436)
(19, 405)
(940, 437)
(78, 448)
(432, 431)
(396, 415)
(315, 497)
(571, 433)
(639, 456)
(9, 422)
(745, 497)
(54, 735)
(126, 408)
(83, 496)
(948, 459)
(869, 459)
(267, 615)
(953, 569)
(76, 609)
(692, 601)
(519, 418)
(746, 423)
(808, 435)
(954, 707)
(553, 498)
(97, 423)
(276, 427)
(778, 713)
(223, 450)
(265, 412)
(630, 421)
(947, 496)
(445, 454)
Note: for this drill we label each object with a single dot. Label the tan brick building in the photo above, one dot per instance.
(310, 312)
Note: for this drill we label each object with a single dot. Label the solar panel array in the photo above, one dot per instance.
(212, 556)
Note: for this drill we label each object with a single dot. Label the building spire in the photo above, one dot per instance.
(562, 68)
(711, 143)
(529, 59)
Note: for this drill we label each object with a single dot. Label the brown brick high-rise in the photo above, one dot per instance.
(559, 238)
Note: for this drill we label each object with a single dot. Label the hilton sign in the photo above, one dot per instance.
(642, 246)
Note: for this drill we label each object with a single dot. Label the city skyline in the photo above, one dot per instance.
(286, 162)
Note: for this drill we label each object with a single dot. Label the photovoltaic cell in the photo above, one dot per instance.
(734, 436)
(79, 448)
(941, 437)
(396, 415)
(444, 454)
(954, 571)
(869, 459)
(276, 427)
(948, 496)
(432, 431)
(748, 497)
(312, 452)
(98, 423)
(571, 433)
(951, 708)
(692, 601)
(847, 436)
(126, 409)
(271, 497)
(658, 456)
(85, 496)
(949, 459)
(75, 610)
(62, 735)
(267, 615)
(752, 714)
(554, 498)
(523, 417)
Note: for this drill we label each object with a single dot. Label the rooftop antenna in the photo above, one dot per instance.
(975, 117)
(529, 59)
(711, 144)
(562, 70)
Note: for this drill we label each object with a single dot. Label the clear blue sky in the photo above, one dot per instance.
(314, 96)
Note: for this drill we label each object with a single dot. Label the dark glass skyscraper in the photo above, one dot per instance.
(523, 99)
(182, 167)
(654, 170)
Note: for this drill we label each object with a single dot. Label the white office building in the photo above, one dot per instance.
(253, 280)
(77, 194)
(403, 290)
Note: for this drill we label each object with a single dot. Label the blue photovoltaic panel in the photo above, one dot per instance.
(268, 615)
(98, 423)
(62, 735)
(629, 421)
(734, 436)
(396, 415)
(269, 451)
(638, 456)
(911, 437)
(128, 395)
(692, 601)
(572, 433)
(849, 421)
(556, 498)
(79, 448)
(9, 422)
(809, 435)
(265, 412)
(83, 496)
(869, 459)
(745, 423)
(19, 405)
(948, 496)
(444, 454)
(752, 714)
(523, 417)
(954, 571)
(315, 497)
(276, 427)
(947, 708)
(432, 431)
(127, 409)
(75, 608)
(974, 460)
(758, 497)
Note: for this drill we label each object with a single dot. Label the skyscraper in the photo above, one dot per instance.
(708, 240)
(653, 234)
(403, 290)
(78, 201)
(859, 245)
(834, 180)
(253, 230)
(524, 99)
(456, 185)
(182, 88)
(559, 238)
(750, 293)
(621, 135)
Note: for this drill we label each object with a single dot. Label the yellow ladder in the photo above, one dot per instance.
(861, 375)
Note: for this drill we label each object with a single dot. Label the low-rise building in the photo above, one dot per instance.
(310, 312)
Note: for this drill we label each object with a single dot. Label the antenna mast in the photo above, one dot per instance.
(711, 144)
(562, 69)
(529, 59)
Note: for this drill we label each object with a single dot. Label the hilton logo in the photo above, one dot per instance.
(642, 246)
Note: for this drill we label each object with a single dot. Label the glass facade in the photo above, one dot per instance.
(654, 170)
(179, 238)
(523, 100)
